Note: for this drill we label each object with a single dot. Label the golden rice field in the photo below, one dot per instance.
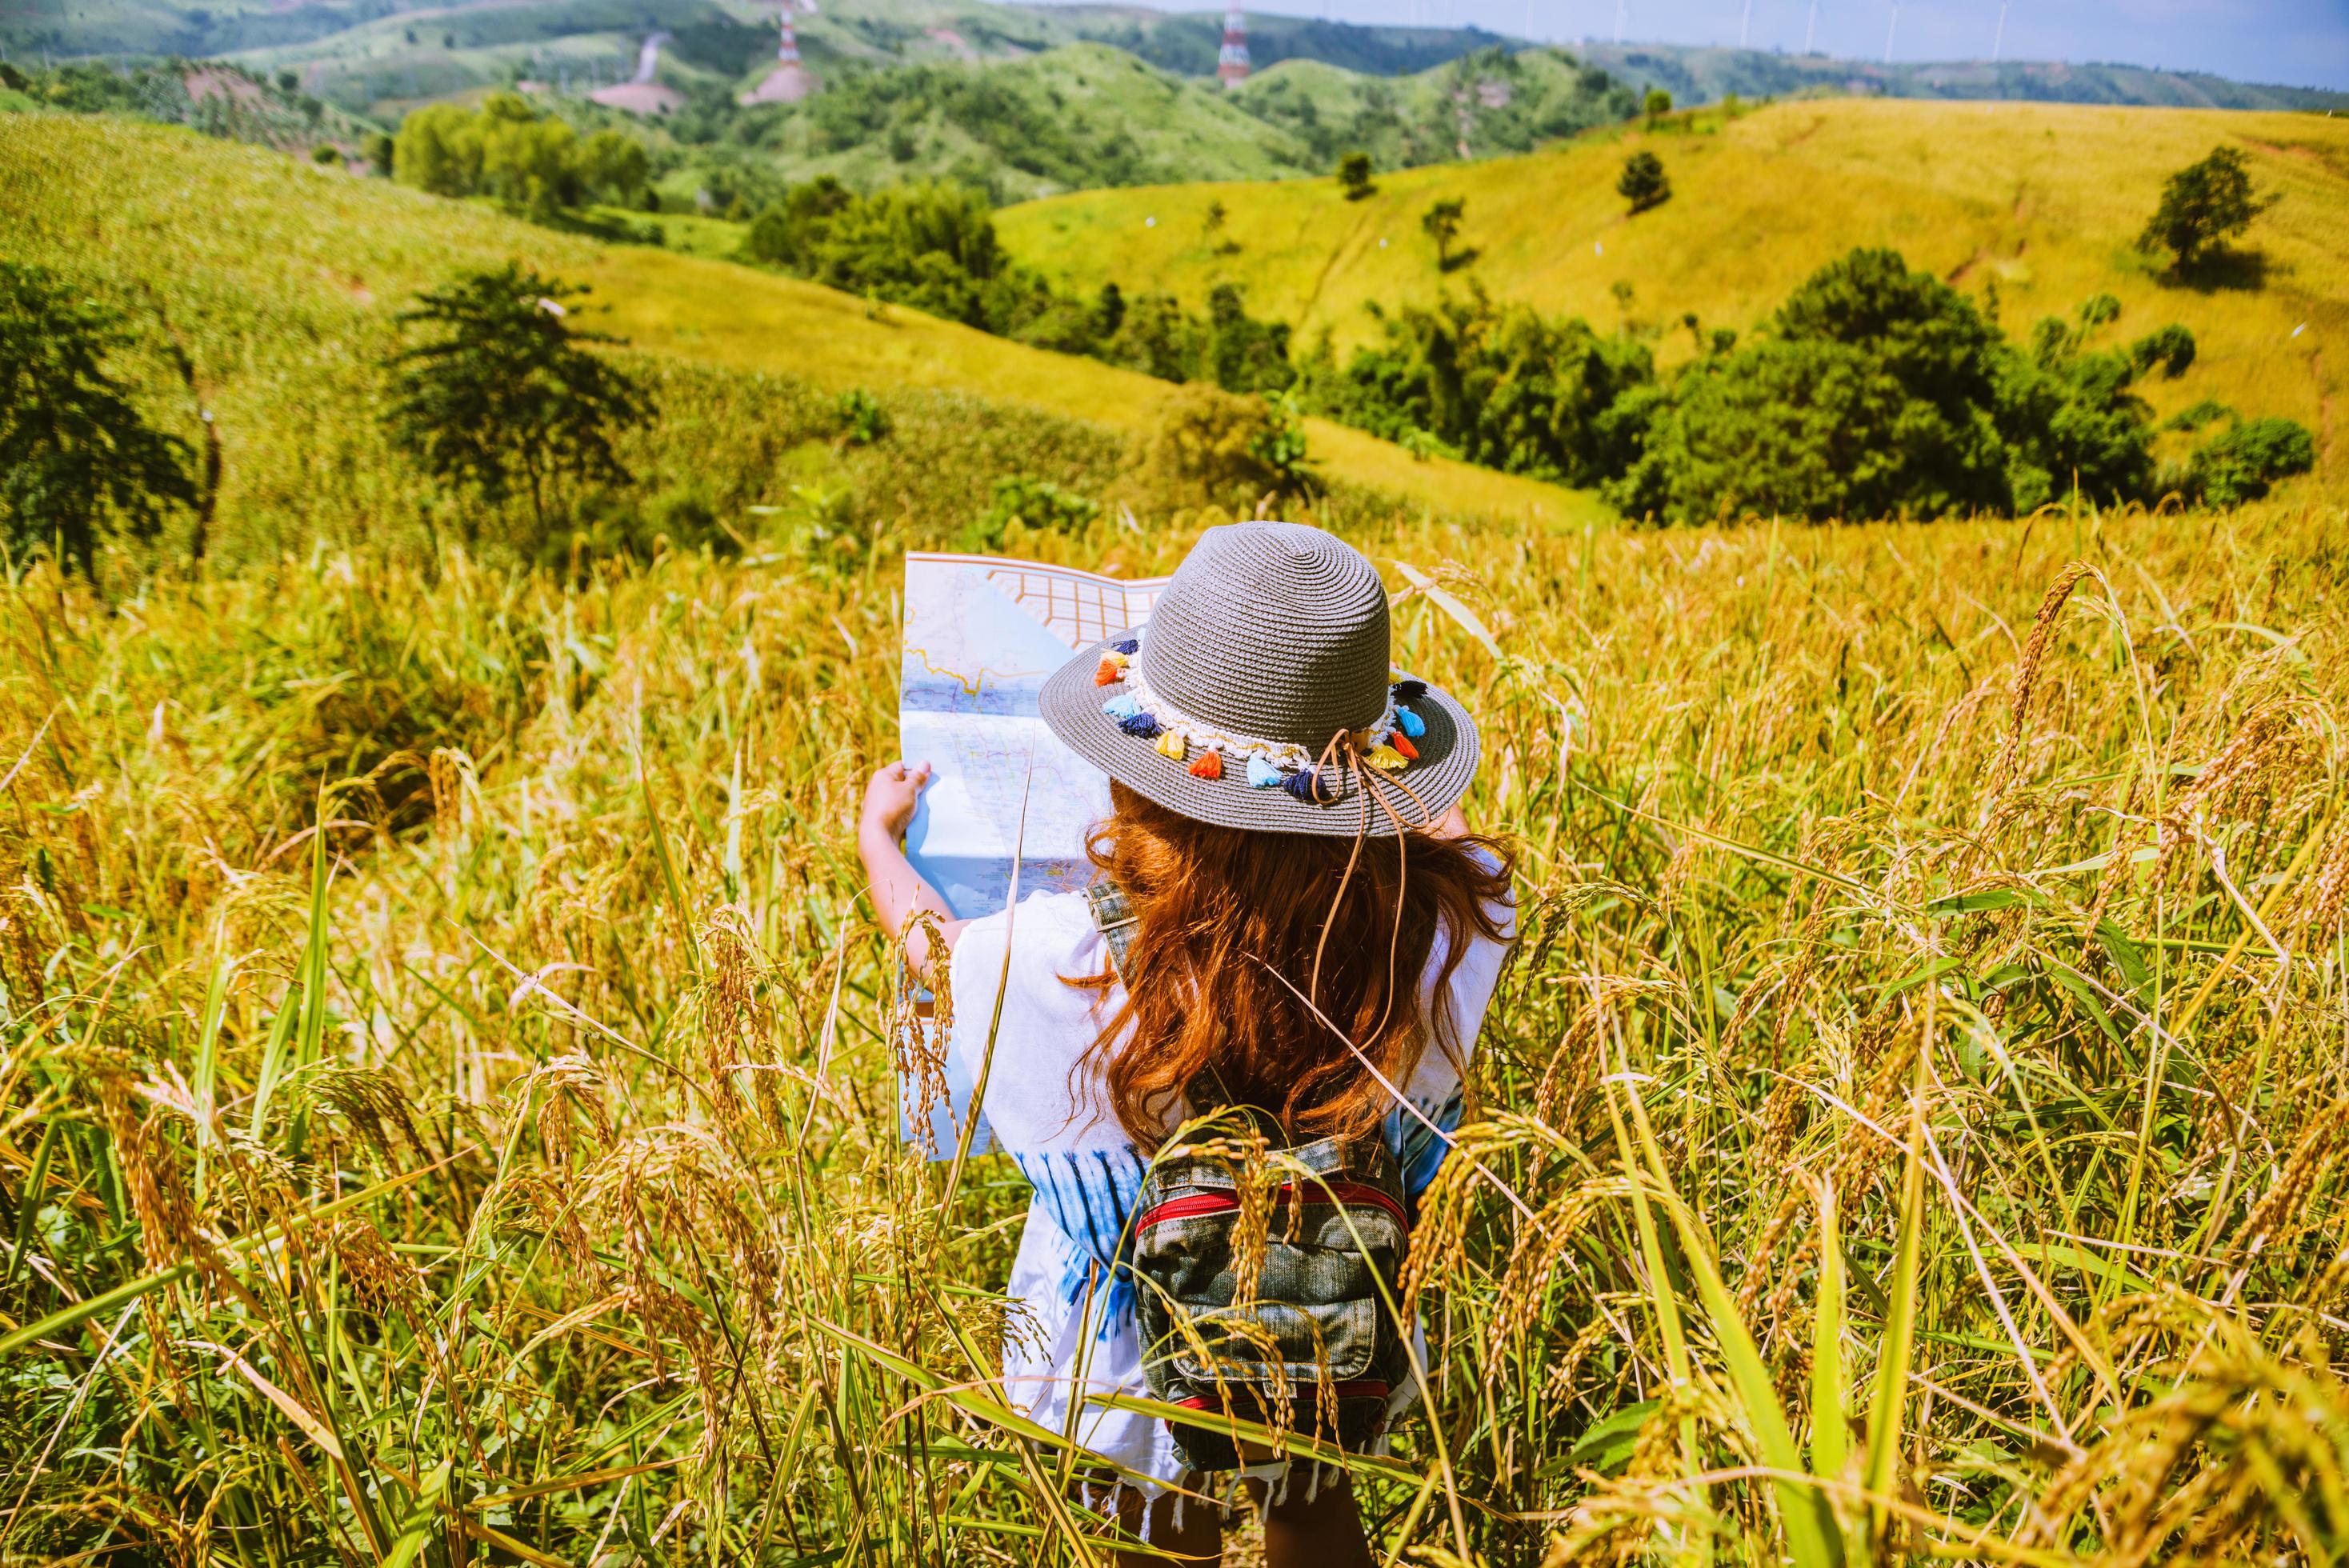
(446, 1057)
(446, 1064)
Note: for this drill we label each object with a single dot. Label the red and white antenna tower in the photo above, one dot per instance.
(1232, 62)
(787, 51)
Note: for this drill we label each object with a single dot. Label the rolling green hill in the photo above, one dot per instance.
(1489, 102)
(2037, 204)
(279, 282)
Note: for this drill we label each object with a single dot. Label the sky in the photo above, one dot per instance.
(2297, 43)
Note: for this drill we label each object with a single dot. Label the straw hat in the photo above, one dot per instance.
(1258, 695)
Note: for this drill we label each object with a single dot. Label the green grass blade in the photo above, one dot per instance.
(1901, 1321)
(1830, 1432)
(1812, 1540)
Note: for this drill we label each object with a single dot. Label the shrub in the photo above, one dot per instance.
(1208, 449)
(1022, 502)
(1643, 181)
(2202, 206)
(2242, 462)
(326, 155)
(74, 448)
(1496, 384)
(1354, 176)
(509, 396)
(863, 421)
(1656, 105)
(1441, 222)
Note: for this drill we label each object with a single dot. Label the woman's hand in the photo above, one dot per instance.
(890, 798)
(898, 890)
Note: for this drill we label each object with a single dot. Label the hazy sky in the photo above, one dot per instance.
(2301, 43)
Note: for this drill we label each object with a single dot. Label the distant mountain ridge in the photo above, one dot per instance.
(1696, 73)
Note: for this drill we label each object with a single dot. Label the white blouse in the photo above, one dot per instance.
(1073, 1319)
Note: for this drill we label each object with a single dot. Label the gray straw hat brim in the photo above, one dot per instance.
(1072, 706)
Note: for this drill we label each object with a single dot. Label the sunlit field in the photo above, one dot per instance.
(2029, 209)
(448, 1058)
(448, 1064)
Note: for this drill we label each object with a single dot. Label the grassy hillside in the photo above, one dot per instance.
(1489, 102)
(1080, 116)
(1696, 73)
(281, 282)
(2042, 202)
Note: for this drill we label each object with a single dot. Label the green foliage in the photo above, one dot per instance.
(1879, 391)
(2202, 206)
(934, 248)
(1643, 181)
(1024, 504)
(506, 149)
(382, 153)
(508, 393)
(1354, 176)
(76, 451)
(1490, 100)
(1442, 222)
(1281, 448)
(863, 421)
(1211, 448)
(326, 155)
(1498, 384)
(1656, 105)
(2244, 463)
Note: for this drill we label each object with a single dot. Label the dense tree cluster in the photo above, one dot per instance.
(932, 247)
(1874, 391)
(508, 149)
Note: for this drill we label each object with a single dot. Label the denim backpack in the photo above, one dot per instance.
(1314, 1347)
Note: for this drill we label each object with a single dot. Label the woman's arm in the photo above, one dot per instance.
(898, 890)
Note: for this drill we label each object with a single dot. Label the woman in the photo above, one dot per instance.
(1313, 930)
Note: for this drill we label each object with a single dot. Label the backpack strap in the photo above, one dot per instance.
(1114, 918)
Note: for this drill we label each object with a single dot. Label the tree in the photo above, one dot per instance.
(1354, 176)
(1441, 222)
(382, 153)
(507, 392)
(2202, 206)
(2241, 463)
(73, 447)
(1658, 104)
(1643, 181)
(288, 81)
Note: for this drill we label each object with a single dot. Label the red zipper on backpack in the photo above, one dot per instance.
(1191, 1205)
(1363, 1388)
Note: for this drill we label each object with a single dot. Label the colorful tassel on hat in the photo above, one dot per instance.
(1262, 775)
(1410, 723)
(1305, 784)
(1170, 745)
(1386, 759)
(1109, 673)
(1209, 766)
(1129, 647)
(1409, 691)
(1125, 705)
(1140, 724)
(1401, 743)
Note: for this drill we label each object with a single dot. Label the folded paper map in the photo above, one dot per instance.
(982, 635)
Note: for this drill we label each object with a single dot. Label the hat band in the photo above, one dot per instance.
(1142, 711)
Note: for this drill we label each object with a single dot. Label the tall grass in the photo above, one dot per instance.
(445, 1108)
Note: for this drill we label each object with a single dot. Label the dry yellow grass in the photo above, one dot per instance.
(2046, 199)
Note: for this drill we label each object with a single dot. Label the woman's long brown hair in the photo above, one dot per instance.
(1228, 921)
